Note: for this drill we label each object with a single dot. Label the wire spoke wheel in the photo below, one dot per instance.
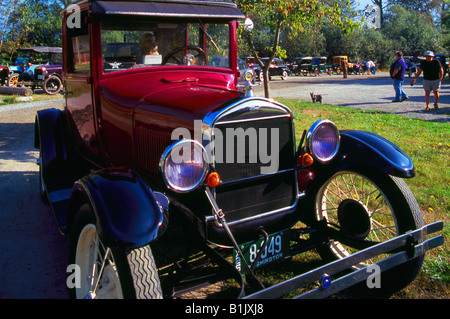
(353, 203)
(370, 206)
(52, 85)
(98, 268)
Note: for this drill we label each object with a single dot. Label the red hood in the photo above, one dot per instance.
(192, 94)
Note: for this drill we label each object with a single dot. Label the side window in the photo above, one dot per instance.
(78, 51)
(80, 54)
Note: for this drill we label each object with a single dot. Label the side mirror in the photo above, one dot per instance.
(248, 24)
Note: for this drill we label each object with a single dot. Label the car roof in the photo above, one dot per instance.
(168, 8)
(42, 49)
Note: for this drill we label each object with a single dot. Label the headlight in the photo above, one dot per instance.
(248, 75)
(183, 165)
(323, 140)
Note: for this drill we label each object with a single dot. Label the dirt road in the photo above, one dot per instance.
(374, 92)
(33, 255)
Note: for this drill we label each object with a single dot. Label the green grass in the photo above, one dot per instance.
(428, 145)
(12, 99)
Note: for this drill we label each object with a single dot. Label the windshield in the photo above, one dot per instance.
(133, 45)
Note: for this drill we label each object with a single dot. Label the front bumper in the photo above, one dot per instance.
(403, 249)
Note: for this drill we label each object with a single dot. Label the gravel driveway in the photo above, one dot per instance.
(374, 92)
(33, 255)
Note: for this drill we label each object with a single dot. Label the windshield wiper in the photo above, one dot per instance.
(209, 37)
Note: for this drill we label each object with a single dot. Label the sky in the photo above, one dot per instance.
(363, 3)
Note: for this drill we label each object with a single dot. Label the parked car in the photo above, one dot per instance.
(277, 68)
(166, 179)
(304, 65)
(338, 63)
(36, 67)
(444, 62)
(411, 65)
(319, 65)
(249, 60)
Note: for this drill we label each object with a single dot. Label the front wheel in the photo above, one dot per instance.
(52, 85)
(109, 272)
(371, 207)
(13, 80)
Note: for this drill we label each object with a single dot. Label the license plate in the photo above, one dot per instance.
(40, 77)
(276, 249)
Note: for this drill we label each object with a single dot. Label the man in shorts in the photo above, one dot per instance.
(432, 77)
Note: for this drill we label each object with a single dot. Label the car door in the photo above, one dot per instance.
(78, 89)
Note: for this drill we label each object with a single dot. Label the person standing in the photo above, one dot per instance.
(397, 73)
(370, 65)
(345, 71)
(432, 77)
(373, 67)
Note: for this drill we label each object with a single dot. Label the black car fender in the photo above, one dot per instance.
(360, 148)
(127, 211)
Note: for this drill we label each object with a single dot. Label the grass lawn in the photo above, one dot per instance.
(12, 99)
(428, 145)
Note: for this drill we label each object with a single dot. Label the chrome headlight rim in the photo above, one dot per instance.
(167, 155)
(310, 138)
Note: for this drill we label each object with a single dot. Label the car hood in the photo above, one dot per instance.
(181, 94)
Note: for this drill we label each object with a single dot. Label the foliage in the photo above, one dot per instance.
(283, 28)
(29, 23)
(295, 16)
(405, 28)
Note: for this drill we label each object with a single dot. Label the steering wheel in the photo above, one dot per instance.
(201, 54)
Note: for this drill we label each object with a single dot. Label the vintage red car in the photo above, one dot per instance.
(167, 179)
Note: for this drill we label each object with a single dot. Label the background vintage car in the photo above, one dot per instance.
(36, 67)
(277, 68)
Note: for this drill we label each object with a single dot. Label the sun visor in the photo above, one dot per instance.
(186, 8)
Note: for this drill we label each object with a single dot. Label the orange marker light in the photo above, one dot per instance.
(307, 160)
(213, 179)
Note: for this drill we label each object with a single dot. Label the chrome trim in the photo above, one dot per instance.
(253, 120)
(402, 242)
(252, 103)
(248, 103)
(164, 158)
(309, 140)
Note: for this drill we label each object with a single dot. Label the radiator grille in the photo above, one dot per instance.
(151, 144)
(246, 192)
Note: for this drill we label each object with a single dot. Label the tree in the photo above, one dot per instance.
(30, 23)
(411, 31)
(274, 15)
